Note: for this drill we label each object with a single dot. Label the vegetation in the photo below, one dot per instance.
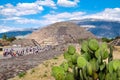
(4, 37)
(22, 74)
(91, 64)
(107, 40)
(104, 39)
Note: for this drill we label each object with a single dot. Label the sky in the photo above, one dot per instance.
(19, 14)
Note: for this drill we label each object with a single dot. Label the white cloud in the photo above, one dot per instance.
(108, 14)
(20, 9)
(67, 3)
(1, 7)
(52, 18)
(48, 3)
(112, 14)
(27, 21)
(64, 16)
(47, 19)
(6, 29)
(28, 8)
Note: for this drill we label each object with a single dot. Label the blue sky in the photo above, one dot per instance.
(19, 14)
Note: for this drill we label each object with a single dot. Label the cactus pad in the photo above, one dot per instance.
(58, 73)
(84, 46)
(65, 66)
(89, 69)
(81, 62)
(71, 50)
(74, 58)
(116, 64)
(93, 44)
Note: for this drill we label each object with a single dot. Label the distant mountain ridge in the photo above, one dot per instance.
(18, 32)
(101, 28)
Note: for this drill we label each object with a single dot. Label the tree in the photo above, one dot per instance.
(11, 39)
(4, 37)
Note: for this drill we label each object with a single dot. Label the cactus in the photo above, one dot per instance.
(93, 44)
(103, 52)
(110, 58)
(94, 64)
(67, 56)
(90, 64)
(89, 69)
(74, 58)
(110, 67)
(81, 62)
(101, 76)
(71, 50)
(84, 47)
(102, 66)
(86, 56)
(116, 64)
(69, 76)
(65, 66)
(58, 73)
(118, 72)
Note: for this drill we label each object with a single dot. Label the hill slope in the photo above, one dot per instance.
(101, 28)
(59, 33)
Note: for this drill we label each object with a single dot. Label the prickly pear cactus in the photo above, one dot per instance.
(65, 66)
(89, 69)
(93, 44)
(69, 76)
(81, 62)
(116, 64)
(58, 73)
(90, 64)
(84, 47)
(74, 58)
(71, 50)
(67, 56)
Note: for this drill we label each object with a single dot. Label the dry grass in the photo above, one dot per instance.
(116, 52)
(43, 71)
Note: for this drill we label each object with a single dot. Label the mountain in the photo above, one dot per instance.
(100, 28)
(17, 33)
(60, 32)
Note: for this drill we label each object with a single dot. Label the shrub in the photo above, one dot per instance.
(22, 74)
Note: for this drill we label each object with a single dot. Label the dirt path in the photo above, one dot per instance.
(13, 66)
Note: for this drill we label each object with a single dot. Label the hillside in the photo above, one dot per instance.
(60, 32)
(100, 28)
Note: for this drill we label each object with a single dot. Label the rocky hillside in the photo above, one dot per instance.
(60, 32)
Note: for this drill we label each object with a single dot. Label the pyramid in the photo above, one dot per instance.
(59, 33)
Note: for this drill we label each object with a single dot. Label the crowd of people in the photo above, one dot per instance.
(21, 51)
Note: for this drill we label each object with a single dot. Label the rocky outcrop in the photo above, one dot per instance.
(115, 42)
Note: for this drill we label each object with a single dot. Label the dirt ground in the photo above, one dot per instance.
(116, 52)
(43, 71)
